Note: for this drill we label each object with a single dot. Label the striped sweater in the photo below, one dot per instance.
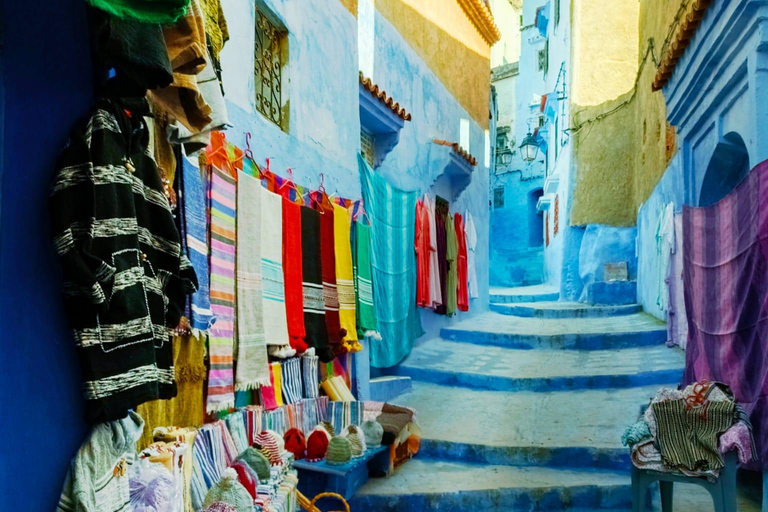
(125, 277)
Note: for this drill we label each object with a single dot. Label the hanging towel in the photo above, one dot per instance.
(462, 292)
(221, 384)
(273, 295)
(345, 278)
(292, 389)
(471, 234)
(252, 363)
(451, 255)
(314, 305)
(328, 258)
(392, 213)
(309, 376)
(366, 314)
(195, 225)
(292, 271)
(435, 291)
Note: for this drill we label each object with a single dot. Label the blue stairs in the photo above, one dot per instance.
(523, 408)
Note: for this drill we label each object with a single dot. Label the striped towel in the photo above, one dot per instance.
(314, 304)
(195, 223)
(328, 262)
(252, 363)
(310, 376)
(345, 283)
(209, 463)
(274, 420)
(366, 314)
(236, 426)
(273, 294)
(292, 390)
(227, 442)
(344, 414)
(277, 382)
(221, 389)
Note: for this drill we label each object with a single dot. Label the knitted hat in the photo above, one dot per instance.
(339, 451)
(356, 440)
(278, 440)
(230, 491)
(267, 445)
(373, 433)
(321, 427)
(328, 426)
(295, 443)
(256, 461)
(219, 506)
(246, 476)
(317, 446)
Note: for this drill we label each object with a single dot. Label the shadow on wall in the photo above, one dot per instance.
(728, 166)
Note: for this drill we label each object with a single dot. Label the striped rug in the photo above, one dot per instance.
(222, 200)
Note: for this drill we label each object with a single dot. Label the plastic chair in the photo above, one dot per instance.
(723, 491)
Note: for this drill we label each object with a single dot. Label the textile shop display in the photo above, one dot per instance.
(366, 311)
(125, 278)
(328, 259)
(292, 266)
(273, 297)
(312, 286)
(345, 279)
(391, 212)
(726, 285)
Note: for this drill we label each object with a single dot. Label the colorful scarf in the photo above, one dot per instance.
(221, 389)
(328, 259)
(314, 306)
(291, 370)
(273, 295)
(366, 313)
(252, 363)
(345, 278)
(292, 271)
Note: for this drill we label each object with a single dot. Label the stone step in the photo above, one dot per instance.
(426, 485)
(490, 328)
(563, 310)
(502, 369)
(535, 293)
(384, 389)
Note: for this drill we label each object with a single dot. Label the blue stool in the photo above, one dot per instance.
(723, 491)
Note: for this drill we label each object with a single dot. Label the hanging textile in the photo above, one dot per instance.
(665, 243)
(273, 286)
(435, 291)
(677, 323)
(314, 305)
(345, 279)
(726, 288)
(462, 292)
(195, 225)
(471, 241)
(292, 388)
(423, 257)
(292, 272)
(309, 376)
(328, 258)
(146, 11)
(392, 214)
(221, 379)
(366, 314)
(252, 363)
(441, 212)
(451, 255)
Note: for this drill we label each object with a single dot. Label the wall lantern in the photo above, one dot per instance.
(505, 158)
(529, 148)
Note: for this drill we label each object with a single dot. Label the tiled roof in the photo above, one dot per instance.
(680, 41)
(383, 97)
(458, 149)
(480, 15)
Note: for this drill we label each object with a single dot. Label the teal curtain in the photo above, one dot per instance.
(393, 222)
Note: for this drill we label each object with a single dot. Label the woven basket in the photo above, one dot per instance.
(310, 505)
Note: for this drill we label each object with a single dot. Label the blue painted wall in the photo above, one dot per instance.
(46, 75)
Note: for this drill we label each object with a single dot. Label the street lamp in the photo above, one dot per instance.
(529, 148)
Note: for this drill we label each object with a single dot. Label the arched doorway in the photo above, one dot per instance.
(535, 219)
(727, 167)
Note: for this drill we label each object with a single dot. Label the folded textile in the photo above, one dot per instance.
(292, 388)
(309, 376)
(635, 433)
(739, 437)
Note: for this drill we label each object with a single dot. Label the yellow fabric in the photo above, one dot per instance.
(215, 26)
(337, 389)
(277, 374)
(344, 273)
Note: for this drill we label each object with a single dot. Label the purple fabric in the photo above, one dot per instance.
(726, 291)
(737, 438)
(677, 325)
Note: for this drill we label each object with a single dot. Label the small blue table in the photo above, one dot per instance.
(344, 479)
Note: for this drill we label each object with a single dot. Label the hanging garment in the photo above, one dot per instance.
(422, 245)
(292, 272)
(147, 11)
(314, 305)
(665, 243)
(345, 278)
(442, 259)
(726, 288)
(330, 293)
(221, 378)
(273, 284)
(677, 323)
(451, 255)
(366, 313)
(216, 32)
(125, 276)
(251, 355)
(394, 266)
(462, 292)
(435, 291)
(471, 241)
(97, 478)
(194, 218)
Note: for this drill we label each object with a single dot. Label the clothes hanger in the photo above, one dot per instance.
(290, 184)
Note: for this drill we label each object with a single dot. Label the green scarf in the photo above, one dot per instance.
(366, 314)
(149, 11)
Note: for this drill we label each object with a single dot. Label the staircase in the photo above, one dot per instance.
(522, 408)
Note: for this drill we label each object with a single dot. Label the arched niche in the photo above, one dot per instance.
(727, 167)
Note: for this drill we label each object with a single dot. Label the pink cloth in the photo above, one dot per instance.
(737, 437)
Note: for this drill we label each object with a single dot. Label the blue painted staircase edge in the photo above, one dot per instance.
(540, 384)
(574, 341)
(531, 311)
(534, 297)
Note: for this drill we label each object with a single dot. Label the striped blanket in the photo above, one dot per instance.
(343, 414)
(222, 201)
(273, 291)
(292, 390)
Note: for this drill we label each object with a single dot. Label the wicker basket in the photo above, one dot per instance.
(310, 505)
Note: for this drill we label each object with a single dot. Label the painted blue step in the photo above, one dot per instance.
(452, 363)
(459, 487)
(634, 330)
(563, 310)
(612, 292)
(384, 389)
(534, 293)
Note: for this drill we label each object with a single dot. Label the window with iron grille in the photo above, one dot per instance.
(270, 57)
(544, 57)
(498, 197)
(366, 146)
